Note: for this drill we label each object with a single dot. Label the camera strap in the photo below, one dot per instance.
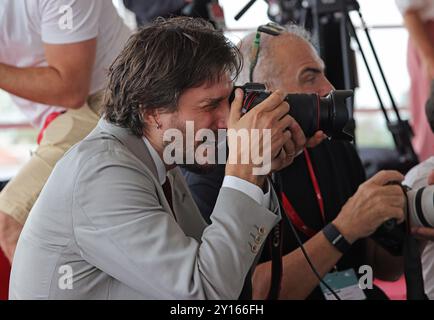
(293, 214)
(413, 270)
(275, 243)
(412, 263)
(275, 238)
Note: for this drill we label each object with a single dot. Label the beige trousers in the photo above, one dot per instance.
(19, 195)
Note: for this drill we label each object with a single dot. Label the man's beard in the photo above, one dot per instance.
(195, 167)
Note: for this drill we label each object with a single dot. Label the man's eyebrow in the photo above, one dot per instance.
(212, 101)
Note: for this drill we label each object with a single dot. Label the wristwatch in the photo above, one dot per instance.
(336, 238)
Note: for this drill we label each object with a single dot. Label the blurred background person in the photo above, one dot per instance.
(54, 55)
(419, 21)
(418, 177)
(147, 10)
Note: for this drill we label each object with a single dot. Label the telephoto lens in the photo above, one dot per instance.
(421, 207)
(312, 112)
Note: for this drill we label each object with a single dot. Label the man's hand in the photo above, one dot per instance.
(286, 138)
(373, 204)
(431, 178)
(422, 233)
(10, 231)
(316, 139)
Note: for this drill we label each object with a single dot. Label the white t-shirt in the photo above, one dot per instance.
(424, 7)
(25, 25)
(417, 178)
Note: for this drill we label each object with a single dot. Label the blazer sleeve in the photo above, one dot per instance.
(121, 228)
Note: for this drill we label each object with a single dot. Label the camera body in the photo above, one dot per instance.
(312, 112)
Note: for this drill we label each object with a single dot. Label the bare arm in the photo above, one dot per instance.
(362, 214)
(420, 37)
(323, 255)
(65, 82)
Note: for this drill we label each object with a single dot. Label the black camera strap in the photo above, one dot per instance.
(275, 243)
(412, 262)
(277, 265)
(413, 270)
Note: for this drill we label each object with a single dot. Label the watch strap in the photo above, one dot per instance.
(336, 238)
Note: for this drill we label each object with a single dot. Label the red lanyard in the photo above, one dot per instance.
(290, 211)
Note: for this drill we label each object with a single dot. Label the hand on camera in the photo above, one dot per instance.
(374, 203)
(279, 138)
(316, 139)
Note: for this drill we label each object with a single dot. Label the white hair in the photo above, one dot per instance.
(265, 68)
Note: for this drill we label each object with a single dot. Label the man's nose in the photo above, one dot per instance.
(325, 88)
(222, 116)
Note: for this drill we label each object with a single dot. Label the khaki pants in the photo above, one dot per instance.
(19, 195)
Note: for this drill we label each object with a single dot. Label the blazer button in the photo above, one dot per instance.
(254, 248)
(261, 230)
(258, 239)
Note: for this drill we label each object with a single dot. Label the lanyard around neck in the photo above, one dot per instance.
(292, 213)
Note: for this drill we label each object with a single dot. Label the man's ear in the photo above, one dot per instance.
(152, 118)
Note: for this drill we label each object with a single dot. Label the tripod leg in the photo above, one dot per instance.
(374, 52)
(353, 33)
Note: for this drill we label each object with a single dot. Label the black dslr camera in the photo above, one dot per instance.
(312, 112)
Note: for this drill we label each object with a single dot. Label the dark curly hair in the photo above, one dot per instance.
(159, 63)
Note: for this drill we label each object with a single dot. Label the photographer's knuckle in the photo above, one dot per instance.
(401, 213)
(257, 114)
(368, 193)
(287, 134)
(397, 189)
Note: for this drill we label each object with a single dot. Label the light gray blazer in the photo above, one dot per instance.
(102, 229)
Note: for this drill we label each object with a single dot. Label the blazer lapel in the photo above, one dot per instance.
(188, 215)
(186, 211)
(134, 144)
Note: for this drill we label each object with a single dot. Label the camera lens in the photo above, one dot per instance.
(421, 207)
(312, 112)
(328, 114)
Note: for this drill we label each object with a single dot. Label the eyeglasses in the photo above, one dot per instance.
(270, 28)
